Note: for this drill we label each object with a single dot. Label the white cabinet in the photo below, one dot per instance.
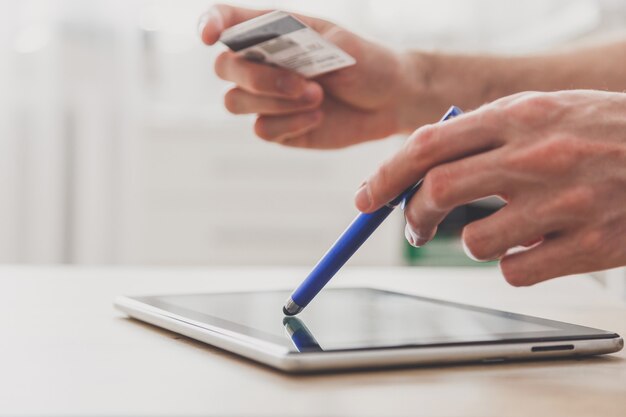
(210, 192)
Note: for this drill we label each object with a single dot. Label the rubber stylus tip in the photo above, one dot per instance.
(291, 308)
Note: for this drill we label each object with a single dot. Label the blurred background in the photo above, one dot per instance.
(115, 148)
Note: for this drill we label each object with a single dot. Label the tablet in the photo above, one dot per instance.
(350, 328)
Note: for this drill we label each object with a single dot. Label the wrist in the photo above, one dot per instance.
(432, 82)
(420, 99)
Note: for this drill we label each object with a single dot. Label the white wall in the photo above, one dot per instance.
(115, 148)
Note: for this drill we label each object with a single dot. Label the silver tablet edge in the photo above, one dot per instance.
(279, 357)
(249, 347)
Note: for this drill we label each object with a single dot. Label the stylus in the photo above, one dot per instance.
(300, 335)
(348, 243)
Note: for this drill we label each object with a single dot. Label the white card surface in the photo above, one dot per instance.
(280, 39)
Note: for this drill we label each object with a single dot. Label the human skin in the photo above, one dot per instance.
(389, 92)
(372, 99)
(558, 159)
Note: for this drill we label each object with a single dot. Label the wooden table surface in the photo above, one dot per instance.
(67, 352)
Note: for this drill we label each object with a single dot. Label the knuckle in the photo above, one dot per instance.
(231, 102)
(420, 142)
(308, 103)
(261, 129)
(512, 272)
(477, 242)
(532, 108)
(591, 242)
(580, 200)
(568, 205)
(412, 218)
(303, 141)
(380, 181)
(540, 102)
(220, 65)
(413, 147)
(540, 210)
(519, 159)
(551, 156)
(491, 115)
(342, 37)
(256, 82)
(436, 188)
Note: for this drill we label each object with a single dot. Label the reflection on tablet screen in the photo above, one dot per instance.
(357, 319)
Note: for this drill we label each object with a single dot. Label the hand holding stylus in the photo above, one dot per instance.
(349, 242)
(557, 159)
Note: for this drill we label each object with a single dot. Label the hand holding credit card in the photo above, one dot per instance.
(281, 39)
(318, 85)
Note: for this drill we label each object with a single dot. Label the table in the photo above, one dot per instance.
(66, 351)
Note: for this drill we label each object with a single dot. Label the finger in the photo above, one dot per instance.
(417, 240)
(219, 17)
(533, 242)
(491, 237)
(429, 146)
(448, 186)
(281, 128)
(305, 140)
(239, 101)
(259, 78)
(554, 257)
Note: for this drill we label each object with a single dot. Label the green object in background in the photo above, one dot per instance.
(443, 250)
(446, 248)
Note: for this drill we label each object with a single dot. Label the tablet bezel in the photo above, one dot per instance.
(266, 348)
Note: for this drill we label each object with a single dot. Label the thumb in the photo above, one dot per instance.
(220, 17)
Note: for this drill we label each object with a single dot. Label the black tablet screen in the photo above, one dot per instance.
(362, 318)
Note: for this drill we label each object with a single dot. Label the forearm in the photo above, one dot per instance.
(470, 81)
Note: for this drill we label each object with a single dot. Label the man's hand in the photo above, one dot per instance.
(373, 99)
(557, 159)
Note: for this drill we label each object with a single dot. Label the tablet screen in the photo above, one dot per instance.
(361, 318)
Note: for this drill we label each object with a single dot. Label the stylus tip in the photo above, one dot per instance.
(291, 308)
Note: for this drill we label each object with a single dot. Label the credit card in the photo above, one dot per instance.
(280, 39)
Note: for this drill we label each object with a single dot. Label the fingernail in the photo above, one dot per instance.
(214, 17)
(289, 84)
(202, 23)
(413, 238)
(469, 253)
(363, 199)
(315, 116)
(310, 93)
(409, 236)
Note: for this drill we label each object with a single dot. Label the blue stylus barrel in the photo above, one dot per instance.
(348, 243)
